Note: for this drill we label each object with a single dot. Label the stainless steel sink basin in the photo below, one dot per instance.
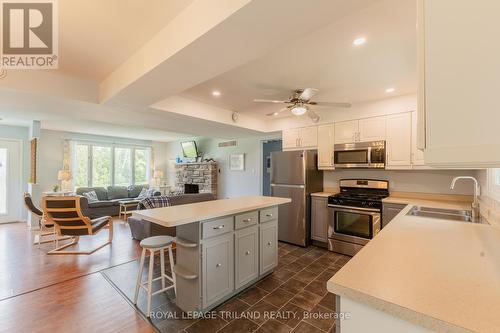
(444, 214)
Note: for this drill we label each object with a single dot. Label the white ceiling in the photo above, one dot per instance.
(264, 49)
(96, 36)
(327, 60)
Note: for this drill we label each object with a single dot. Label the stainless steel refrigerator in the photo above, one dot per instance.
(295, 175)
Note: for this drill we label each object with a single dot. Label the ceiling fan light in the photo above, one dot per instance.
(299, 110)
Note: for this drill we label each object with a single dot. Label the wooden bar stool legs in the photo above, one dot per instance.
(154, 244)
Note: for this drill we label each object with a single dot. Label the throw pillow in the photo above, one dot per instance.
(91, 196)
(143, 194)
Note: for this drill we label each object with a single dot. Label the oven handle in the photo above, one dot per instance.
(354, 209)
(369, 157)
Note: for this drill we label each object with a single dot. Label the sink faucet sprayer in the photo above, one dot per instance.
(475, 203)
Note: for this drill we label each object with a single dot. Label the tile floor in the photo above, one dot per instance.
(285, 301)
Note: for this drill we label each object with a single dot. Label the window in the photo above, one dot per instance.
(101, 166)
(81, 166)
(123, 167)
(105, 165)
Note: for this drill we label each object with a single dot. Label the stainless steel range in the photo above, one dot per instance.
(357, 211)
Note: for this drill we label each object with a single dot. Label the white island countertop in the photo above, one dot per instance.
(438, 274)
(183, 214)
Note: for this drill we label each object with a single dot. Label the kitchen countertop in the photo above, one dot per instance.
(322, 194)
(183, 214)
(445, 201)
(438, 274)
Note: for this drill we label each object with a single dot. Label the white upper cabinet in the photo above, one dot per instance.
(372, 129)
(417, 155)
(398, 145)
(300, 138)
(459, 76)
(326, 140)
(346, 131)
(290, 138)
(308, 137)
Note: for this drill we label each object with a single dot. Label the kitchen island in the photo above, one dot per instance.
(422, 275)
(223, 246)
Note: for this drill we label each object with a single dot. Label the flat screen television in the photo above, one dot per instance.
(189, 149)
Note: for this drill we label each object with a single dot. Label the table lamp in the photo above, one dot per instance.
(63, 176)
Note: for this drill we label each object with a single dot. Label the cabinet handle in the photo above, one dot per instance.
(269, 243)
(218, 265)
(247, 253)
(269, 215)
(219, 227)
(247, 220)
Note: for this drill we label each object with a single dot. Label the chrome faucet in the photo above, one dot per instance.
(475, 203)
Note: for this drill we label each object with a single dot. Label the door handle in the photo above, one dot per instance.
(269, 243)
(269, 215)
(219, 227)
(247, 220)
(218, 265)
(247, 253)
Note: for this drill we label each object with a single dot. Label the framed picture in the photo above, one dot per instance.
(237, 162)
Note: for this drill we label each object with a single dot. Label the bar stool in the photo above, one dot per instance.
(153, 244)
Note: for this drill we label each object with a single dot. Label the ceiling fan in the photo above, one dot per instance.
(300, 102)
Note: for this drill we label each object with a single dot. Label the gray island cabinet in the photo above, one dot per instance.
(218, 257)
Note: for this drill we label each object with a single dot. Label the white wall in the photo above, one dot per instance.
(229, 183)
(428, 181)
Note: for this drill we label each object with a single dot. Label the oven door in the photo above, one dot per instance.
(353, 224)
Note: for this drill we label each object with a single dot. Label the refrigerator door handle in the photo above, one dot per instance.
(288, 185)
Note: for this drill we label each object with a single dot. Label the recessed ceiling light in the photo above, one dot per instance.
(216, 93)
(275, 114)
(390, 90)
(359, 41)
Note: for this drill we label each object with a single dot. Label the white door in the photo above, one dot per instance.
(10, 181)
(417, 156)
(372, 129)
(326, 141)
(290, 138)
(346, 131)
(308, 137)
(399, 141)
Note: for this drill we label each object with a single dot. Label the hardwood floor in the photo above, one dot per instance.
(64, 293)
(86, 304)
(26, 268)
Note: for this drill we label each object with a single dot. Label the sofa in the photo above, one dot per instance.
(141, 229)
(109, 198)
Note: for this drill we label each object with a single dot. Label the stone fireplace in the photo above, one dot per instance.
(203, 174)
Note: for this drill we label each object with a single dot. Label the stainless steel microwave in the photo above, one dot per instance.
(370, 155)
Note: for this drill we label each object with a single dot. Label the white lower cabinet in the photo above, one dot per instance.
(246, 244)
(268, 246)
(218, 268)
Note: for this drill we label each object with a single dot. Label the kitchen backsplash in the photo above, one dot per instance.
(425, 181)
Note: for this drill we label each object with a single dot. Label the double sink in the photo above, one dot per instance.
(444, 214)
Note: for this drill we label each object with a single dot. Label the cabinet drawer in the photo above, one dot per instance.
(217, 227)
(246, 220)
(268, 214)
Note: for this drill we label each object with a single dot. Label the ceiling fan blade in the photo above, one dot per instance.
(269, 101)
(308, 93)
(313, 115)
(278, 112)
(334, 104)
